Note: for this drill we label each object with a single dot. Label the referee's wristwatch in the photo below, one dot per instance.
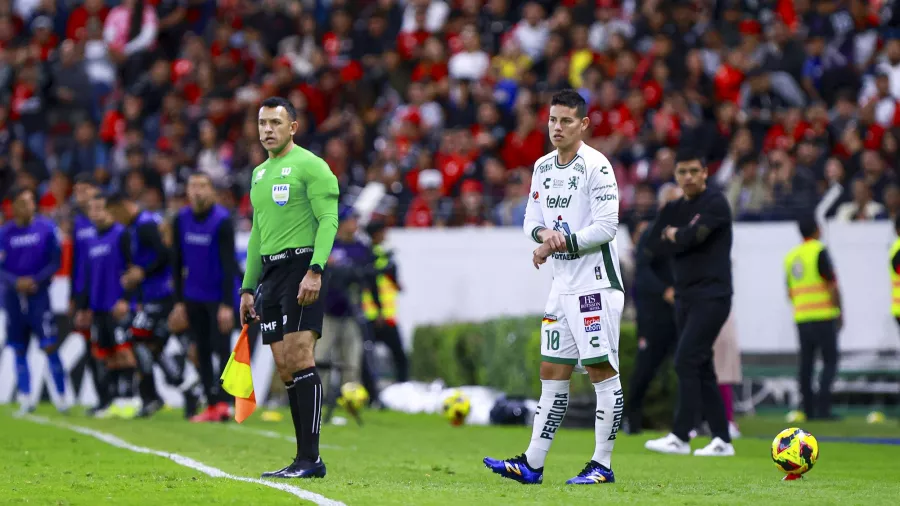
(316, 269)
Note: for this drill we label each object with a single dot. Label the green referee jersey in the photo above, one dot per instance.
(295, 205)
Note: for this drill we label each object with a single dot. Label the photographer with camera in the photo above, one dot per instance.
(350, 271)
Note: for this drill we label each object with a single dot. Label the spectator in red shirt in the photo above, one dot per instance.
(44, 40)
(524, 145)
(471, 210)
(425, 210)
(89, 11)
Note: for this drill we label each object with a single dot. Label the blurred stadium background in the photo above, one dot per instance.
(431, 113)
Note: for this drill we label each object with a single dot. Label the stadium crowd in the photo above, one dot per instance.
(444, 102)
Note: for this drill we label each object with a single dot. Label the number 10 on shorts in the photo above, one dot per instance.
(552, 339)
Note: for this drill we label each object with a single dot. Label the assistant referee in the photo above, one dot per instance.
(295, 218)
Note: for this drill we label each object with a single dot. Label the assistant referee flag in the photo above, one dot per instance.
(237, 379)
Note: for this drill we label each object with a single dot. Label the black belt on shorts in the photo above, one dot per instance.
(285, 255)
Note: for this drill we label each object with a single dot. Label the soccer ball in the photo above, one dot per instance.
(353, 397)
(794, 452)
(795, 417)
(875, 417)
(456, 407)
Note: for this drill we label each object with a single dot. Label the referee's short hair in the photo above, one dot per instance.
(273, 102)
(806, 222)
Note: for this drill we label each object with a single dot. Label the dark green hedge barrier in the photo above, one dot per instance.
(505, 354)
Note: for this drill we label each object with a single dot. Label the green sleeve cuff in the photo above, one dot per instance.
(534, 235)
(571, 244)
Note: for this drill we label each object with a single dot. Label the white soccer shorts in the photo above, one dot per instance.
(583, 328)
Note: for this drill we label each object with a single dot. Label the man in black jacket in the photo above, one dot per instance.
(696, 230)
(654, 300)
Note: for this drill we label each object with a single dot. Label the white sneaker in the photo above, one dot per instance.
(25, 408)
(63, 407)
(716, 448)
(733, 431)
(669, 444)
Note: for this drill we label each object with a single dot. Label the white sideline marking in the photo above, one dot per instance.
(186, 462)
(277, 435)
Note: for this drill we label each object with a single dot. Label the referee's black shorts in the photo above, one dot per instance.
(278, 289)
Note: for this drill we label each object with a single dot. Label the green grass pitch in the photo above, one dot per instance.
(398, 459)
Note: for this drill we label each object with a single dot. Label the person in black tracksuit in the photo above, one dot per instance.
(656, 330)
(697, 231)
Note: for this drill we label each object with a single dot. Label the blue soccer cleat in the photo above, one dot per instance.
(593, 474)
(516, 468)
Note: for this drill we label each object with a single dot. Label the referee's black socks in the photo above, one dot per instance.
(306, 409)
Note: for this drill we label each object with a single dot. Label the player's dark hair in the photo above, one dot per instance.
(688, 155)
(806, 222)
(273, 102)
(115, 198)
(203, 175)
(570, 98)
(85, 178)
(16, 191)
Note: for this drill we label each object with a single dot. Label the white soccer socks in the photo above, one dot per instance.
(610, 409)
(548, 418)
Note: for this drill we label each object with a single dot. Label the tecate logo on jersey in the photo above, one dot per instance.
(558, 202)
(592, 324)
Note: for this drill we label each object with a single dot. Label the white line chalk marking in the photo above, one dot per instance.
(186, 462)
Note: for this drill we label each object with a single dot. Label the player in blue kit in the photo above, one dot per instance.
(84, 189)
(103, 305)
(29, 256)
(149, 278)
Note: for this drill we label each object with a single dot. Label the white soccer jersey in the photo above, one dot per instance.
(581, 200)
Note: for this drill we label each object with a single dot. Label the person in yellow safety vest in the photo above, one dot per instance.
(382, 318)
(813, 289)
(895, 273)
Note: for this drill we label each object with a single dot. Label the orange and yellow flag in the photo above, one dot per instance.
(237, 379)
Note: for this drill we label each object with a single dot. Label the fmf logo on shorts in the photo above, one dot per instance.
(268, 327)
(592, 324)
(590, 303)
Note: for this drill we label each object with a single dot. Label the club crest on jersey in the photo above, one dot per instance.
(592, 324)
(285, 171)
(560, 226)
(573, 183)
(590, 303)
(281, 193)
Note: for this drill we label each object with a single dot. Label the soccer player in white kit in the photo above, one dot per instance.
(573, 213)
